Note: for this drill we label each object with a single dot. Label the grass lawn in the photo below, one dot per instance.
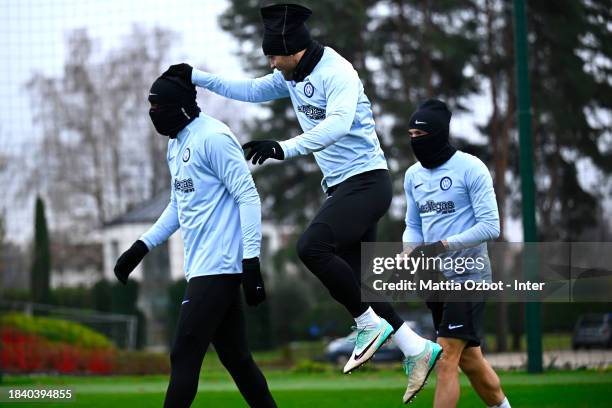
(321, 390)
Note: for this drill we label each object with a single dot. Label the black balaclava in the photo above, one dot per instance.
(433, 149)
(284, 30)
(176, 105)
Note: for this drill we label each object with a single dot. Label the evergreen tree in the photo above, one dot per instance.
(572, 95)
(41, 256)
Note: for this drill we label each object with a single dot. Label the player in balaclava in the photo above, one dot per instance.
(451, 214)
(215, 204)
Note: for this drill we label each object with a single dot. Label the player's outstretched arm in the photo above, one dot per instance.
(266, 88)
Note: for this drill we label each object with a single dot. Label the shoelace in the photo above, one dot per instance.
(359, 337)
(353, 337)
(410, 362)
(409, 365)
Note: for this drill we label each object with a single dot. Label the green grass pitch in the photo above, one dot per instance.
(383, 388)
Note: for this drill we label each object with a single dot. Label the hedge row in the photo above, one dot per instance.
(55, 330)
(23, 353)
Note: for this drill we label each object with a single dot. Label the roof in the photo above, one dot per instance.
(146, 212)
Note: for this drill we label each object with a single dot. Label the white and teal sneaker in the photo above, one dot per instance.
(367, 342)
(419, 367)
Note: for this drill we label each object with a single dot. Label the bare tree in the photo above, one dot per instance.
(99, 152)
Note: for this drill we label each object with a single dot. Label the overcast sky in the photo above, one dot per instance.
(33, 37)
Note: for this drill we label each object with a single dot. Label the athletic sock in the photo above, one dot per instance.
(504, 404)
(367, 320)
(408, 341)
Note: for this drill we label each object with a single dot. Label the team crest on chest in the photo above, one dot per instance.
(186, 155)
(446, 183)
(309, 89)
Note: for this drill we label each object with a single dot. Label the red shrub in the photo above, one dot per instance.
(26, 353)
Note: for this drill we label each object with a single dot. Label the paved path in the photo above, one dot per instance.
(563, 359)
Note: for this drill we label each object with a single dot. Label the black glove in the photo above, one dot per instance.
(262, 150)
(182, 71)
(129, 260)
(428, 250)
(252, 282)
(426, 272)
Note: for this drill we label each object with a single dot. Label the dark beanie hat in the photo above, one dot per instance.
(432, 117)
(171, 90)
(284, 30)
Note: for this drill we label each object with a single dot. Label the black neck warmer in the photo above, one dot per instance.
(434, 148)
(174, 103)
(309, 61)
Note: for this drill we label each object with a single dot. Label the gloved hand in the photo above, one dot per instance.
(252, 282)
(428, 250)
(182, 71)
(262, 150)
(425, 252)
(427, 272)
(129, 260)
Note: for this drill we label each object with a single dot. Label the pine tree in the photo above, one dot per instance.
(41, 256)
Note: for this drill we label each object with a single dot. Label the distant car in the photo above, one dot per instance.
(339, 350)
(593, 331)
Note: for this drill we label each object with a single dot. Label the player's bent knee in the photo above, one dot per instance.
(302, 247)
(315, 243)
(468, 366)
(470, 362)
(448, 363)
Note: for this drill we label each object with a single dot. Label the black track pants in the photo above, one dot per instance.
(212, 312)
(331, 245)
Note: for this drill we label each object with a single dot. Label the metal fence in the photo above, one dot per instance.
(121, 329)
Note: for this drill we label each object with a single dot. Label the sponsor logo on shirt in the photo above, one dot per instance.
(440, 207)
(185, 186)
(312, 112)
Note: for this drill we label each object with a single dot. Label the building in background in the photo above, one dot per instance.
(75, 264)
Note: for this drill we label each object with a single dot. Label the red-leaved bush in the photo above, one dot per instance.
(27, 353)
